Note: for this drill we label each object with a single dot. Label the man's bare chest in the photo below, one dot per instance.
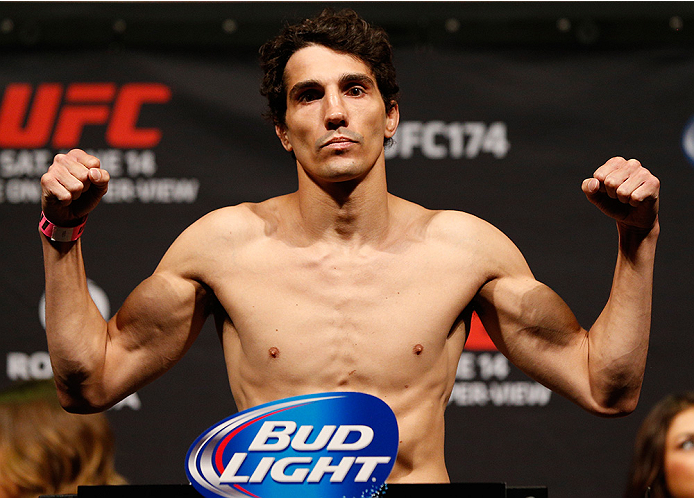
(320, 319)
(270, 287)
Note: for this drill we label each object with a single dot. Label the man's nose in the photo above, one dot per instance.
(335, 112)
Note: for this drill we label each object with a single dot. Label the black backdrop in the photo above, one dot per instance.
(505, 108)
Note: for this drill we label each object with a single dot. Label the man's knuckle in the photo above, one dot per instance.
(611, 182)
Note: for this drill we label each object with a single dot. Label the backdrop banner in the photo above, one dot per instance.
(507, 134)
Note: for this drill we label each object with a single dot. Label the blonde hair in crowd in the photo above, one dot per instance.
(46, 450)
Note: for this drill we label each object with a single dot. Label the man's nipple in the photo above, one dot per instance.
(417, 349)
(273, 352)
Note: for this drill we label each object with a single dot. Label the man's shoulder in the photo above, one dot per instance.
(239, 215)
(212, 238)
(446, 226)
(229, 226)
(464, 234)
(240, 220)
(461, 227)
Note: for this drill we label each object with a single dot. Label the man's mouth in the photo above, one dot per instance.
(343, 139)
(338, 141)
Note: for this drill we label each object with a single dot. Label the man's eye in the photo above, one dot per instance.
(308, 96)
(355, 91)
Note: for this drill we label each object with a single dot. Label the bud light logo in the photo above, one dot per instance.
(315, 446)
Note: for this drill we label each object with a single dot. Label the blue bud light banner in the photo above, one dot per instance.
(321, 445)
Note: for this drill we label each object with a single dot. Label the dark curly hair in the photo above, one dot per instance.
(344, 31)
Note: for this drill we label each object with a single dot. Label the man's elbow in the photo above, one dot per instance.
(76, 401)
(621, 410)
(619, 404)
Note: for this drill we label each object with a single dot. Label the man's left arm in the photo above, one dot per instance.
(629, 193)
(601, 369)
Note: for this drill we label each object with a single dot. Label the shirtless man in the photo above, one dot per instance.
(340, 285)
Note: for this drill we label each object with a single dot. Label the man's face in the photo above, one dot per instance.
(336, 119)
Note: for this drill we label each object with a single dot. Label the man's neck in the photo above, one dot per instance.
(354, 212)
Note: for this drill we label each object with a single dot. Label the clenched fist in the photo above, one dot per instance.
(625, 191)
(72, 187)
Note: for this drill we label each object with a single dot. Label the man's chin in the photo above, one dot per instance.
(343, 169)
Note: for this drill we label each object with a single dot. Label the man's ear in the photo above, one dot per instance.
(392, 120)
(282, 134)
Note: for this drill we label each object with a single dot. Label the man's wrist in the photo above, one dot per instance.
(640, 233)
(61, 234)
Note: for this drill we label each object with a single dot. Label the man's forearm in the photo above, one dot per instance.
(619, 338)
(75, 329)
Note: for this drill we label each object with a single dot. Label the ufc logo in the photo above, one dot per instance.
(65, 112)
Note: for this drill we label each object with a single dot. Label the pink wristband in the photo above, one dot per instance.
(61, 234)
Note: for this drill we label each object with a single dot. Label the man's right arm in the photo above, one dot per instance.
(96, 363)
